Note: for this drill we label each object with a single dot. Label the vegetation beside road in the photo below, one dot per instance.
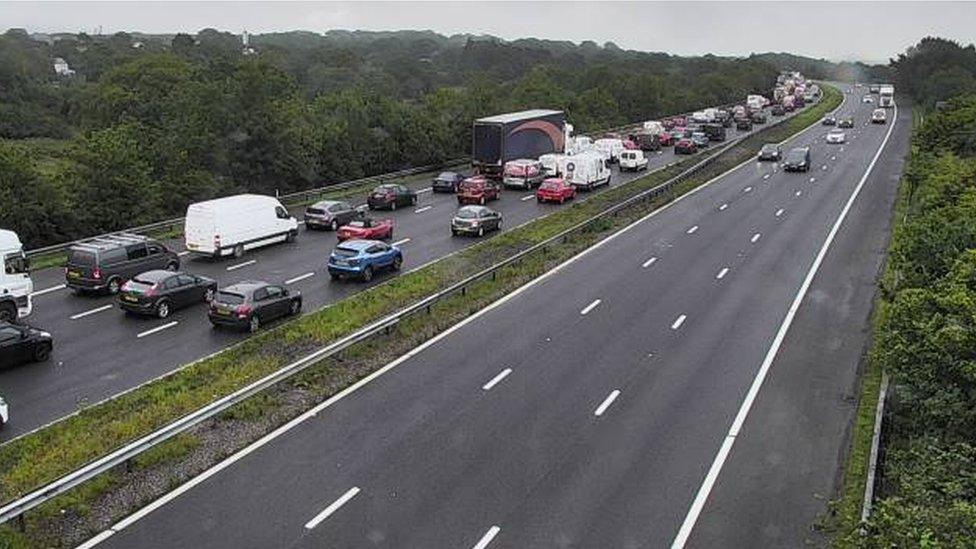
(68, 444)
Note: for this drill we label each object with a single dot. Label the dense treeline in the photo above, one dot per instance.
(927, 343)
(935, 70)
(147, 124)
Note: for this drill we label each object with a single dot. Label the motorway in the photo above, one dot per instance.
(615, 402)
(100, 351)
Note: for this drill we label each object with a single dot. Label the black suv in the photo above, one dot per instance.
(23, 344)
(797, 160)
(390, 196)
(159, 293)
(106, 262)
(247, 305)
(330, 214)
(845, 123)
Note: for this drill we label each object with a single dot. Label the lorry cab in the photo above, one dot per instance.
(16, 286)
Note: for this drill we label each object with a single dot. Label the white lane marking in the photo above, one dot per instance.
(833, 158)
(693, 229)
(486, 539)
(49, 290)
(590, 307)
(766, 176)
(722, 207)
(706, 488)
(747, 189)
(755, 237)
(166, 326)
(422, 210)
(678, 322)
(91, 312)
(400, 242)
(649, 262)
(183, 253)
(102, 536)
(606, 403)
(779, 212)
(824, 167)
(527, 197)
(721, 274)
(242, 265)
(299, 277)
(494, 381)
(424, 190)
(813, 179)
(332, 508)
(798, 193)
(842, 149)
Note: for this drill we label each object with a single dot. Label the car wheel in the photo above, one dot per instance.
(538, 199)
(254, 324)
(291, 236)
(172, 267)
(162, 309)
(113, 285)
(367, 274)
(42, 353)
(239, 250)
(370, 207)
(8, 312)
(334, 276)
(208, 295)
(295, 307)
(499, 226)
(397, 263)
(335, 225)
(481, 231)
(453, 232)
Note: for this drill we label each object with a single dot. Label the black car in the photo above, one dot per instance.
(846, 123)
(106, 262)
(743, 124)
(797, 160)
(390, 196)
(475, 220)
(829, 121)
(770, 152)
(22, 344)
(778, 110)
(330, 214)
(158, 293)
(715, 132)
(446, 182)
(758, 117)
(248, 305)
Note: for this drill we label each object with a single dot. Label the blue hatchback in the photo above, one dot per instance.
(362, 258)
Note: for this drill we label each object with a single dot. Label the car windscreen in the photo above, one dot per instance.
(345, 252)
(768, 149)
(446, 176)
(796, 156)
(472, 185)
(81, 257)
(516, 170)
(314, 211)
(467, 214)
(358, 223)
(550, 186)
(229, 298)
(148, 279)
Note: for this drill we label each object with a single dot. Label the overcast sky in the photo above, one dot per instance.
(869, 31)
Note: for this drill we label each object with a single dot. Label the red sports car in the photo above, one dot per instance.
(555, 189)
(366, 229)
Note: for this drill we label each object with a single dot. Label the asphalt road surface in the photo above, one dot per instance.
(587, 409)
(100, 351)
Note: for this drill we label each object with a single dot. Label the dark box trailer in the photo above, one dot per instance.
(527, 134)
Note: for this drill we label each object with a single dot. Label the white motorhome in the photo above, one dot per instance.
(756, 102)
(551, 163)
(654, 127)
(586, 170)
(232, 225)
(16, 286)
(610, 147)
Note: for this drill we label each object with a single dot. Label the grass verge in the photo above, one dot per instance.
(66, 445)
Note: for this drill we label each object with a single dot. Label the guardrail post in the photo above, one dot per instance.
(22, 523)
(464, 290)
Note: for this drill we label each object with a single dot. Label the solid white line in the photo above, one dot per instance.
(721, 274)
(706, 488)
(332, 508)
(300, 277)
(183, 253)
(400, 242)
(649, 262)
(607, 402)
(102, 536)
(755, 237)
(486, 539)
(722, 207)
(157, 329)
(527, 197)
(91, 312)
(693, 229)
(779, 212)
(49, 290)
(422, 210)
(678, 322)
(241, 454)
(240, 265)
(494, 381)
(590, 307)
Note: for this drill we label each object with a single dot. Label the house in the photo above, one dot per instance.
(61, 67)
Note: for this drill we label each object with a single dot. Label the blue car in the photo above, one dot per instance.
(361, 258)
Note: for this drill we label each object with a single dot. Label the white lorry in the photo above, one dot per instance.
(755, 102)
(586, 170)
(886, 96)
(16, 286)
(234, 224)
(610, 148)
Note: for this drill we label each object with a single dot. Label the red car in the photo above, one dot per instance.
(630, 145)
(680, 121)
(555, 189)
(366, 229)
(685, 146)
(477, 190)
(668, 123)
(665, 139)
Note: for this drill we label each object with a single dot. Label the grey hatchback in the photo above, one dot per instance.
(330, 214)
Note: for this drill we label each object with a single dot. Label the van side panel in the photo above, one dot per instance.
(199, 229)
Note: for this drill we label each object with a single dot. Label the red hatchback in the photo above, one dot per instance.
(555, 189)
(366, 229)
(630, 145)
(685, 146)
(665, 139)
(477, 190)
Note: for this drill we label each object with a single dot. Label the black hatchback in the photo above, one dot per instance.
(158, 293)
(446, 182)
(22, 344)
(248, 305)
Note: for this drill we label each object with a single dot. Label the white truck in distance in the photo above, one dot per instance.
(586, 170)
(886, 96)
(16, 286)
(756, 102)
(234, 224)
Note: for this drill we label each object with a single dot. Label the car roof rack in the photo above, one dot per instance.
(112, 241)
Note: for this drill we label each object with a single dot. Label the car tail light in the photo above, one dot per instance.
(97, 273)
(243, 311)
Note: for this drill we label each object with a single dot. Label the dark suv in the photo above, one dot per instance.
(248, 305)
(330, 214)
(390, 196)
(106, 262)
(798, 160)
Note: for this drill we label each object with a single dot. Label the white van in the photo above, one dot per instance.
(16, 286)
(654, 127)
(633, 161)
(550, 163)
(610, 147)
(586, 170)
(231, 225)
